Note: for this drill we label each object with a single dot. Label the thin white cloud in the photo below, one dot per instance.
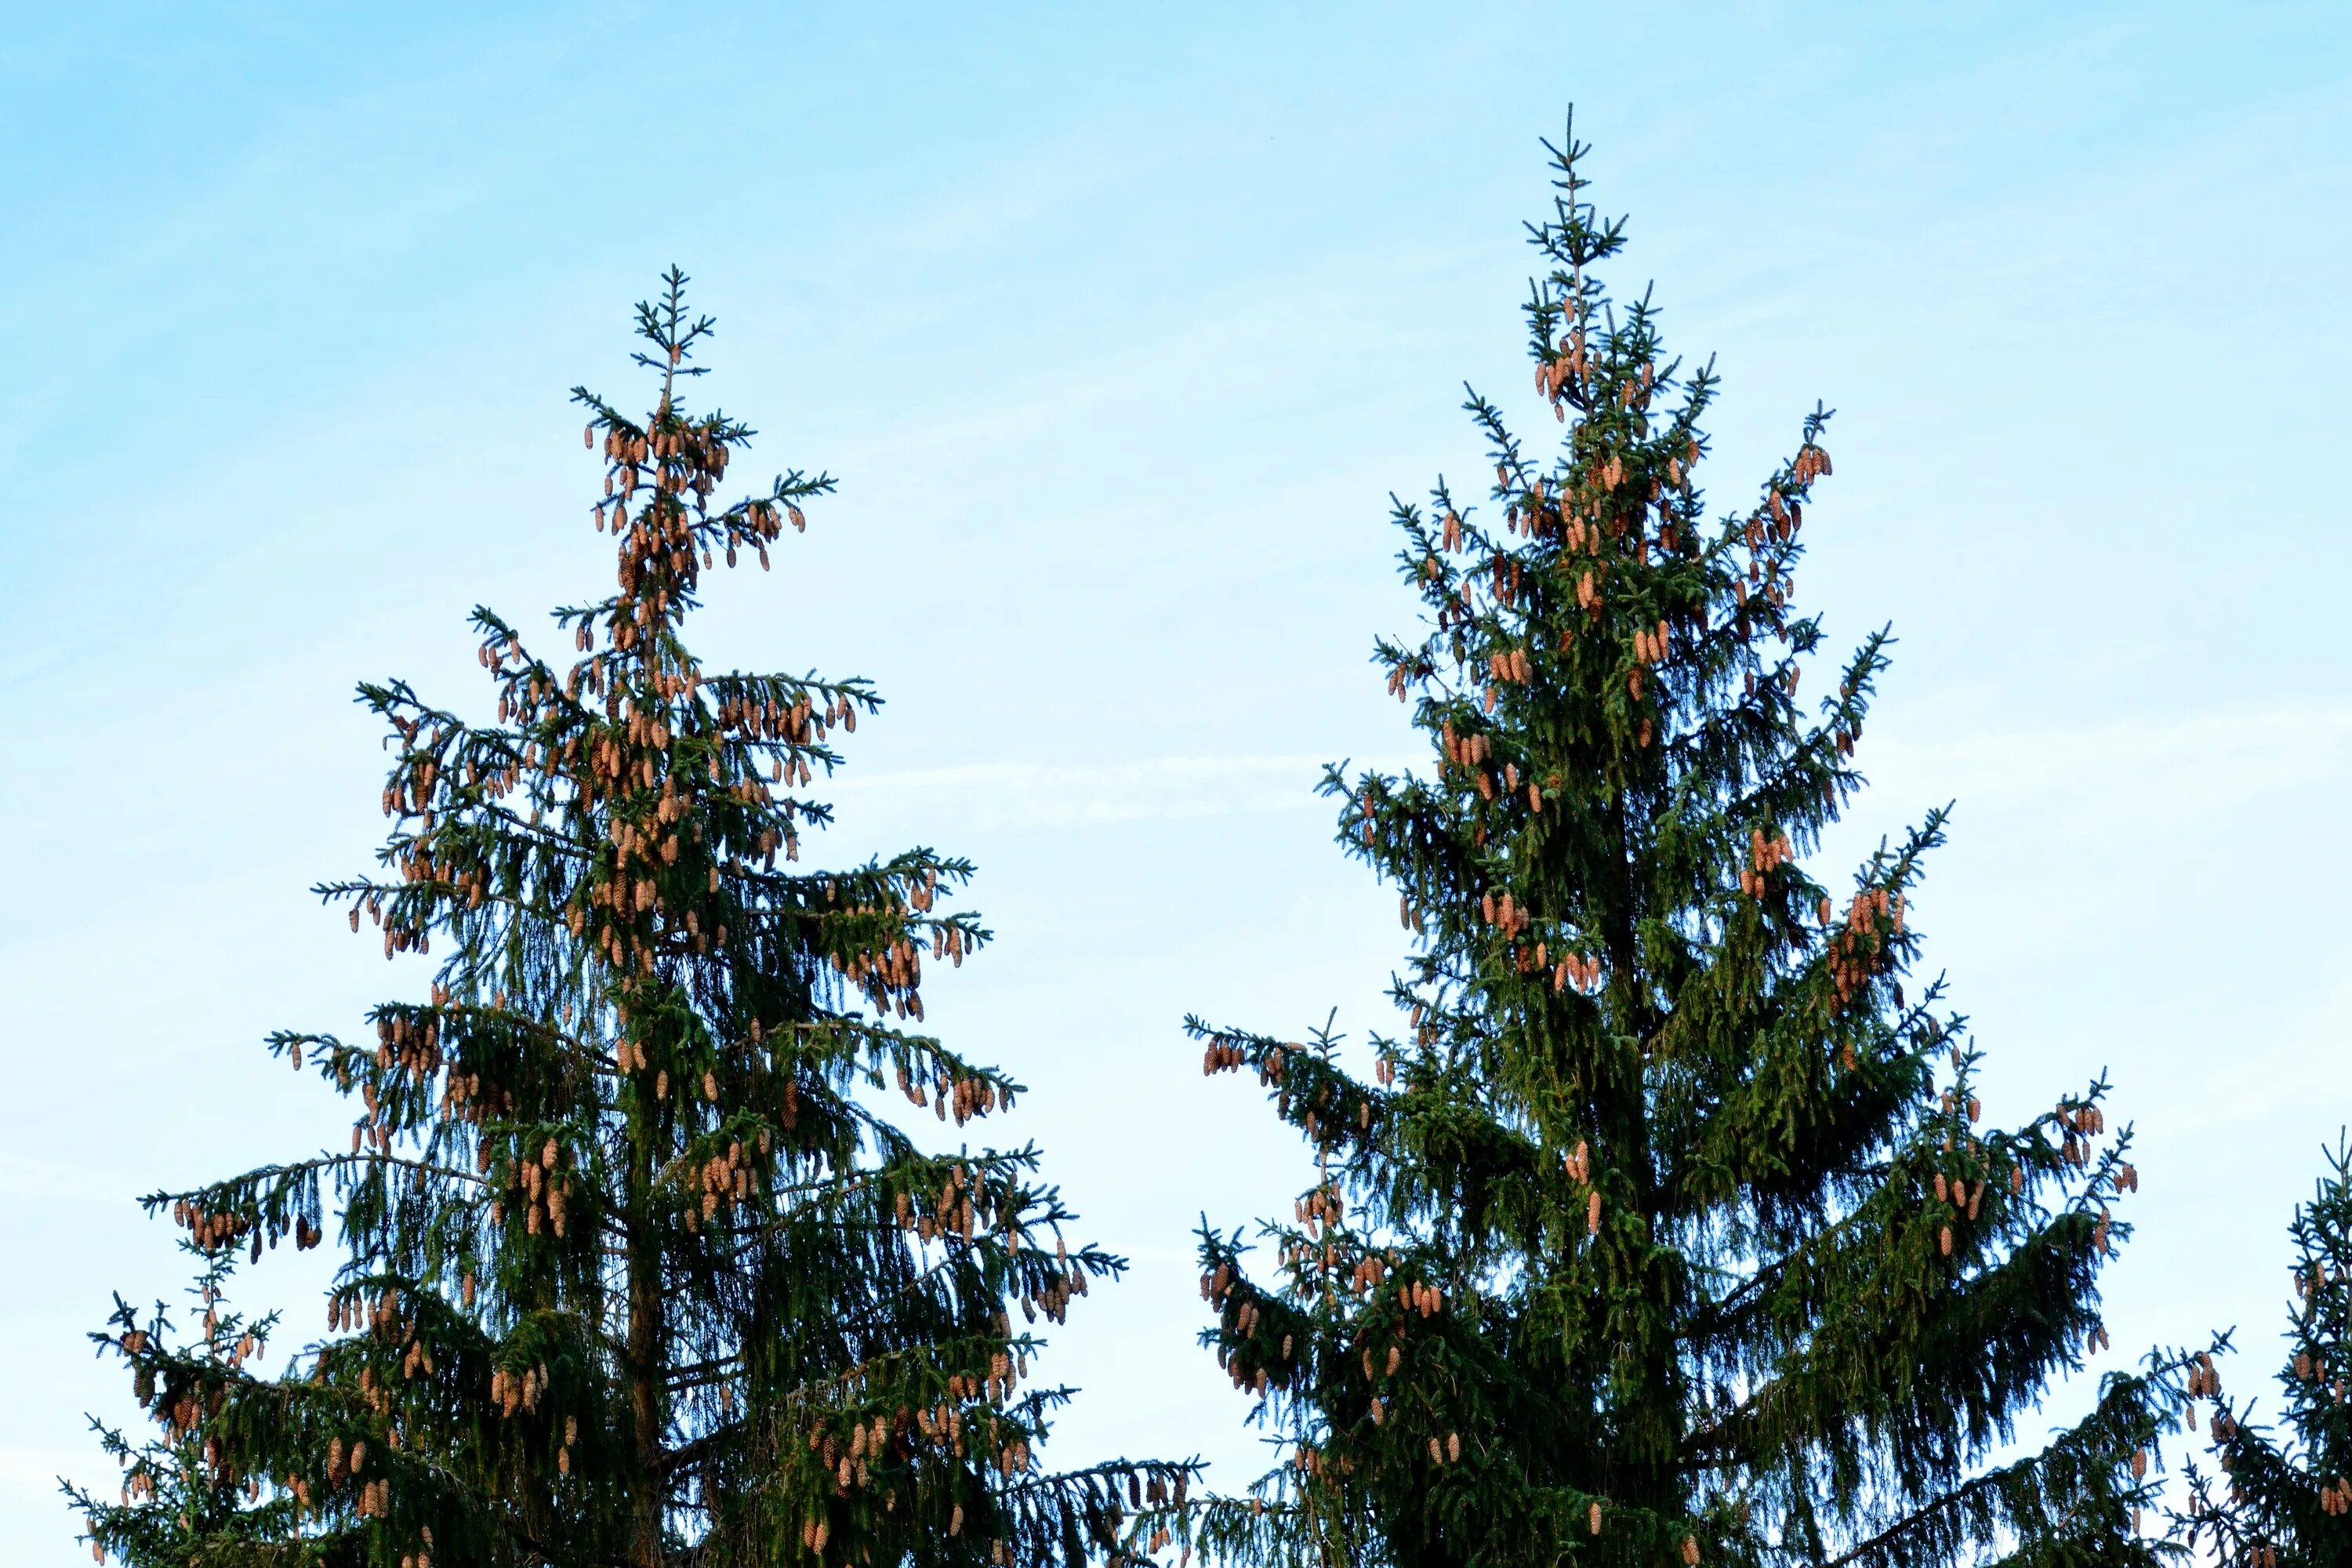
(988, 796)
(26, 1176)
(2135, 767)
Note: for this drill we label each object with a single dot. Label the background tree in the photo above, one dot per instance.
(635, 1271)
(1656, 1240)
(178, 1504)
(2284, 1496)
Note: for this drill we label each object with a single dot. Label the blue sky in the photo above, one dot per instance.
(1119, 327)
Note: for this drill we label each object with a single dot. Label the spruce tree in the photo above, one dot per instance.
(1669, 1231)
(2282, 1497)
(635, 1267)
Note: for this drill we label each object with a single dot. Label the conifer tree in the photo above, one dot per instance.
(2282, 1497)
(635, 1268)
(1670, 1233)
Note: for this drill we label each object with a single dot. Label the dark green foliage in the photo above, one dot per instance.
(636, 1272)
(1656, 1240)
(177, 1505)
(2284, 1496)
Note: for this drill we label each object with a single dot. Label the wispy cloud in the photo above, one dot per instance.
(988, 796)
(27, 1176)
(2134, 767)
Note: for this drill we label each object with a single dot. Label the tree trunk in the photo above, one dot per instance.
(646, 1372)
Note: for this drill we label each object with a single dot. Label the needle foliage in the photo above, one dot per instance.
(634, 1269)
(2280, 1494)
(1670, 1231)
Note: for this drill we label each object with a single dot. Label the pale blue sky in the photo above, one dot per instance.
(1118, 328)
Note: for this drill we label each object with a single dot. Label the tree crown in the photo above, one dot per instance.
(635, 1268)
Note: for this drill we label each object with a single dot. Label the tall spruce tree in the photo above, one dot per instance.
(2282, 1497)
(636, 1271)
(1671, 1233)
